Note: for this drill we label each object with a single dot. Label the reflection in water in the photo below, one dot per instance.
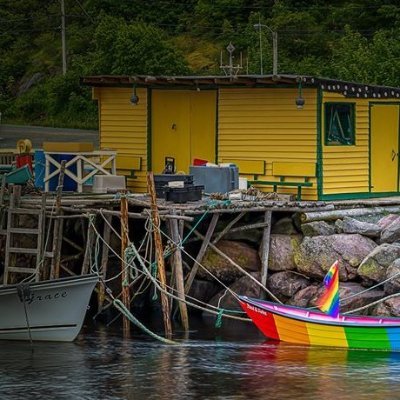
(101, 365)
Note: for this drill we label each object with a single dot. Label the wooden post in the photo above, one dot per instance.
(265, 250)
(104, 261)
(58, 227)
(2, 208)
(159, 254)
(126, 298)
(202, 251)
(88, 249)
(180, 286)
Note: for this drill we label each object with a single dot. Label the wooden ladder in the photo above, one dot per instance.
(12, 232)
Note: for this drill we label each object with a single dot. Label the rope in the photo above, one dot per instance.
(121, 308)
(218, 321)
(24, 292)
(147, 273)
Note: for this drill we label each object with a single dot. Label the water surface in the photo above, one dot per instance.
(102, 365)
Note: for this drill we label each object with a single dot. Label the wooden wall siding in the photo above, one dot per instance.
(264, 124)
(346, 168)
(123, 127)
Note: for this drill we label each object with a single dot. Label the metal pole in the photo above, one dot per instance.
(63, 45)
(275, 53)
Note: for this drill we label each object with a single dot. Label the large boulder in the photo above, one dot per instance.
(392, 286)
(304, 296)
(286, 284)
(387, 220)
(203, 290)
(240, 253)
(353, 295)
(387, 308)
(391, 233)
(284, 226)
(251, 236)
(317, 228)
(316, 254)
(281, 250)
(351, 225)
(374, 266)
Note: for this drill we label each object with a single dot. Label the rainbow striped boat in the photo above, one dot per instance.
(308, 327)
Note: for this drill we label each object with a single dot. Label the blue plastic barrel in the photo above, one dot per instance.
(40, 168)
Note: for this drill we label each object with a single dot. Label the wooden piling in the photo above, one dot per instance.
(104, 261)
(177, 261)
(159, 254)
(265, 249)
(58, 228)
(88, 249)
(126, 298)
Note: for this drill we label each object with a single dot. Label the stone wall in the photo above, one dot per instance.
(368, 251)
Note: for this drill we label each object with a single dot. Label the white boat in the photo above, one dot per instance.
(51, 310)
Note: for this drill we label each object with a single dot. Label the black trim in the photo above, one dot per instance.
(33, 328)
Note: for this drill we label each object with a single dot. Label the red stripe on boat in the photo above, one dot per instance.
(264, 320)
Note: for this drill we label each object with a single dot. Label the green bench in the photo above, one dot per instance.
(284, 170)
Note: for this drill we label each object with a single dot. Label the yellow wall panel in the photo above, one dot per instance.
(336, 160)
(264, 124)
(123, 127)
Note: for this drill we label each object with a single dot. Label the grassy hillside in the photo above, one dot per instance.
(354, 40)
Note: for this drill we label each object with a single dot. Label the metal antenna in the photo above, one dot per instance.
(230, 69)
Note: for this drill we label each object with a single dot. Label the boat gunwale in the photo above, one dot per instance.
(383, 324)
(53, 283)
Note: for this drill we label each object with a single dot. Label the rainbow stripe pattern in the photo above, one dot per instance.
(329, 301)
(307, 327)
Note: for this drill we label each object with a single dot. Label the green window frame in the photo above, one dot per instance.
(340, 124)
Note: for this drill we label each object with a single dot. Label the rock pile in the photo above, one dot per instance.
(300, 255)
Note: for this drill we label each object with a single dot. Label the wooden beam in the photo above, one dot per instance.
(202, 251)
(228, 227)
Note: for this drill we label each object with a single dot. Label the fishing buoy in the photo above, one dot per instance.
(24, 146)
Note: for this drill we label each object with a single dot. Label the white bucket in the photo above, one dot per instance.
(242, 183)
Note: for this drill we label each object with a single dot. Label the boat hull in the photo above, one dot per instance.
(55, 309)
(369, 333)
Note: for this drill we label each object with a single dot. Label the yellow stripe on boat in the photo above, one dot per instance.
(326, 335)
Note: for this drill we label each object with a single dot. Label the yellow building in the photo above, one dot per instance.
(329, 138)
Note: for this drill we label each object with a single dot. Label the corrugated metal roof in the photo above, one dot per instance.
(348, 89)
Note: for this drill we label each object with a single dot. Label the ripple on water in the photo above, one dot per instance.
(100, 365)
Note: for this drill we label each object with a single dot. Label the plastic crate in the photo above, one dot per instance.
(161, 182)
(185, 194)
